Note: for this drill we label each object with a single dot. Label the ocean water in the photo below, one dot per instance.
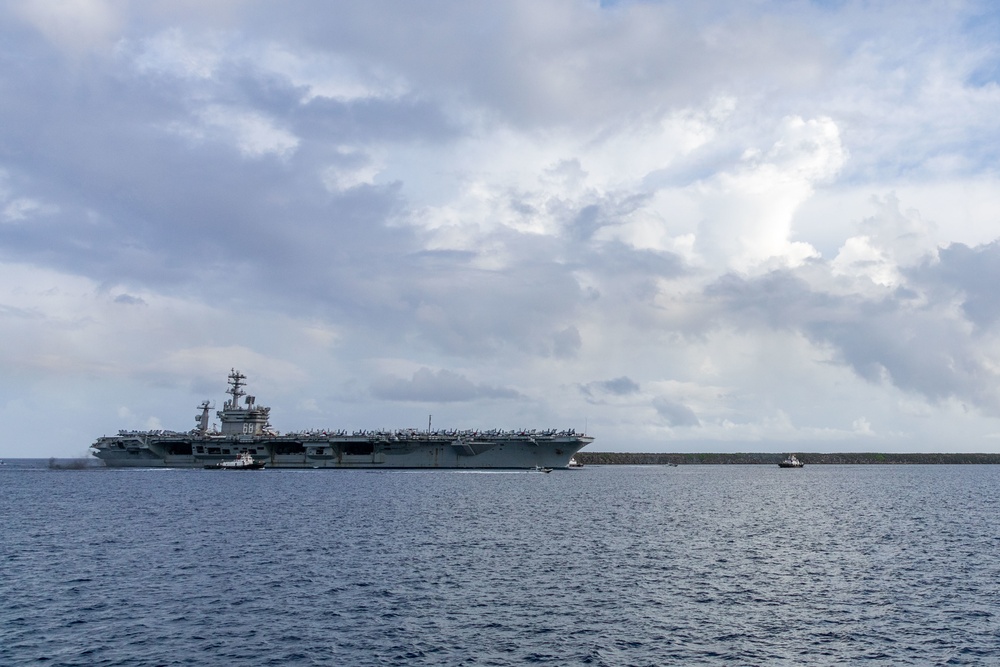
(692, 565)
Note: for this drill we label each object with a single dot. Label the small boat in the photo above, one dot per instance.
(573, 463)
(541, 469)
(244, 461)
(791, 462)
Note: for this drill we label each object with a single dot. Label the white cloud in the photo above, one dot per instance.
(749, 211)
(176, 53)
(21, 209)
(15, 208)
(858, 257)
(686, 226)
(75, 26)
(253, 134)
(332, 75)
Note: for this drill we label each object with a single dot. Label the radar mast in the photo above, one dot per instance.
(236, 384)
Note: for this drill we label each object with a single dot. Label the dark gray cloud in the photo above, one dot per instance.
(676, 414)
(970, 274)
(620, 260)
(780, 300)
(129, 300)
(621, 386)
(894, 339)
(566, 344)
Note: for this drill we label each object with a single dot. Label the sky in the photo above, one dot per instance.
(679, 227)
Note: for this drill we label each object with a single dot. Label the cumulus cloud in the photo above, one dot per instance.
(705, 222)
(750, 210)
(253, 134)
(441, 386)
(917, 345)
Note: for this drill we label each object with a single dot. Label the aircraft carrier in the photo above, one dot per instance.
(245, 428)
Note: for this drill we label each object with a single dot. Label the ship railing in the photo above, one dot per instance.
(418, 434)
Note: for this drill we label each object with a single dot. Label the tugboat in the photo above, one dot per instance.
(791, 462)
(244, 461)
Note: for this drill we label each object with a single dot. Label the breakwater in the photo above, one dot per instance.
(618, 458)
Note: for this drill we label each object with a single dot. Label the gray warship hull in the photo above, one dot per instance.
(245, 429)
(509, 451)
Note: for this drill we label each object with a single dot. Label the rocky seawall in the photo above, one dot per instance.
(615, 458)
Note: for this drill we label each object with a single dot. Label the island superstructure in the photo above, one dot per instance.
(245, 428)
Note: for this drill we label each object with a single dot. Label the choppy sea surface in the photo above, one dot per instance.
(693, 565)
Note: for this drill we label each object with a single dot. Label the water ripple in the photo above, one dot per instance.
(701, 565)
